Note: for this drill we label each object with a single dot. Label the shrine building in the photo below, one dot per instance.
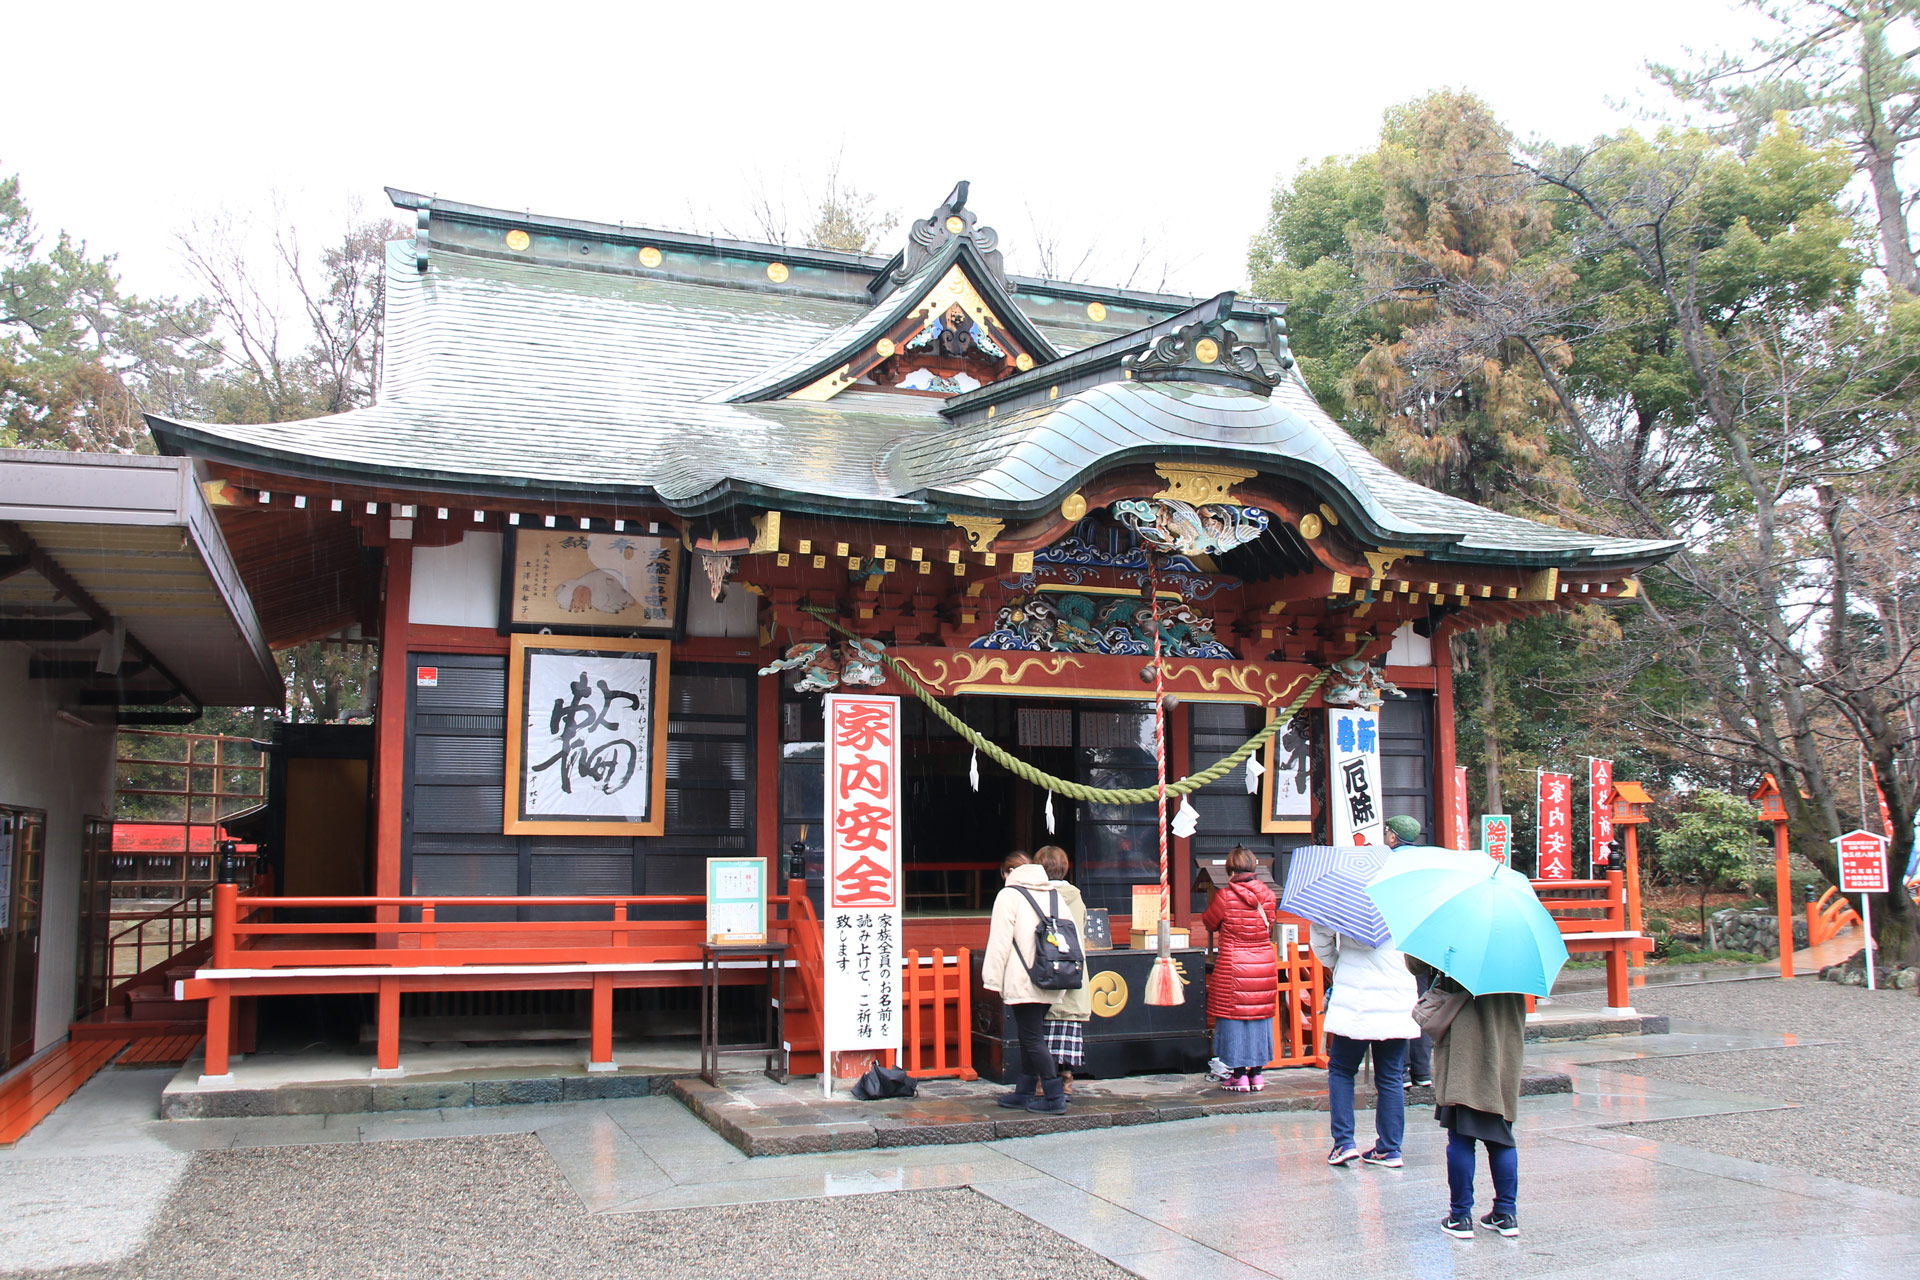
(745, 474)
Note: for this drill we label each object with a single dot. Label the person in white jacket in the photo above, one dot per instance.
(1005, 969)
(1370, 1011)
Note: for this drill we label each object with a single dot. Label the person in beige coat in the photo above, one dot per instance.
(1004, 969)
(1067, 1022)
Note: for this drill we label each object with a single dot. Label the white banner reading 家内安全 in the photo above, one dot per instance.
(862, 924)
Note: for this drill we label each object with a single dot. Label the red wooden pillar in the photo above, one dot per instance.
(1443, 749)
(219, 1034)
(766, 772)
(1783, 893)
(1634, 921)
(387, 1045)
(600, 1056)
(390, 730)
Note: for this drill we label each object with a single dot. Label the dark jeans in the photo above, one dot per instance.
(1031, 1021)
(1420, 1049)
(1344, 1057)
(1502, 1162)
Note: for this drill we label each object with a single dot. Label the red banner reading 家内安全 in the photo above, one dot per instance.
(1554, 813)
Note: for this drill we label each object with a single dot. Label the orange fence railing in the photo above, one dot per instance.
(937, 992)
(1827, 917)
(1299, 1036)
(247, 934)
(1592, 915)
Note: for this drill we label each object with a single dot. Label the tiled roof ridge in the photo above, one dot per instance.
(770, 251)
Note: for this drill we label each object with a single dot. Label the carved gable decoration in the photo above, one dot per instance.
(931, 234)
(952, 339)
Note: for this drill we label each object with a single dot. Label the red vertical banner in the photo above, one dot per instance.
(862, 925)
(1600, 812)
(1461, 839)
(1553, 812)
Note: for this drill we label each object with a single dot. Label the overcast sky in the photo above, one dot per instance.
(1104, 125)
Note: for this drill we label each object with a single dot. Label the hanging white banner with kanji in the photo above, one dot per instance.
(1600, 807)
(1353, 738)
(862, 924)
(1553, 812)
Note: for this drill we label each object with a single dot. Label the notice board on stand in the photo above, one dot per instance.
(736, 901)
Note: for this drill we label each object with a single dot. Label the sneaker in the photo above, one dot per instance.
(1457, 1225)
(1385, 1159)
(1256, 1081)
(1505, 1223)
(1236, 1084)
(1412, 1084)
(1347, 1153)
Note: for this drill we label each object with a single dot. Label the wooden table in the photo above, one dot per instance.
(774, 1047)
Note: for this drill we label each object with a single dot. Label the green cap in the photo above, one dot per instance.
(1406, 826)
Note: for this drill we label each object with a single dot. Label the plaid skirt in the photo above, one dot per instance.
(1067, 1042)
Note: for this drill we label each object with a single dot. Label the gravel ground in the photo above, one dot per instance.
(1858, 1113)
(499, 1207)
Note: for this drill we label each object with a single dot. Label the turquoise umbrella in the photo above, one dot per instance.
(1476, 921)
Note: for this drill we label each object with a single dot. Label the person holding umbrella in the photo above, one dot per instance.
(1476, 1074)
(1477, 929)
(1404, 829)
(1369, 1012)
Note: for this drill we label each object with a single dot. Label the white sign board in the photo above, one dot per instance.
(1353, 749)
(862, 924)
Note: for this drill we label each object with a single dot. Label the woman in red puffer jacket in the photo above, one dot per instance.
(1245, 983)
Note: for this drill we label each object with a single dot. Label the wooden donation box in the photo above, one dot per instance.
(1126, 1036)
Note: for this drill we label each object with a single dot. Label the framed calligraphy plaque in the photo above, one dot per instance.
(1286, 788)
(586, 737)
(583, 583)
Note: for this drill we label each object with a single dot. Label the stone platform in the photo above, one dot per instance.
(1561, 1023)
(761, 1118)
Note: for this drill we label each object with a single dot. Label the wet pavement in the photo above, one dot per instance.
(1217, 1196)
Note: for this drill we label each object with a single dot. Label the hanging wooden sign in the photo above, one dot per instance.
(1287, 785)
(585, 583)
(1353, 749)
(586, 737)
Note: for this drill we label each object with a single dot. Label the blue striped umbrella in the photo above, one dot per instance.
(1328, 885)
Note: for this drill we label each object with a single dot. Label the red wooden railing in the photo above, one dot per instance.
(246, 934)
(1592, 915)
(1827, 917)
(806, 946)
(1299, 1036)
(938, 995)
(256, 954)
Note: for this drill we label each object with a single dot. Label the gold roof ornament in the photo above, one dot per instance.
(518, 240)
(1200, 485)
(980, 530)
(777, 272)
(649, 256)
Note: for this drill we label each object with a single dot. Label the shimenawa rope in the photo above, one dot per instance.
(1079, 790)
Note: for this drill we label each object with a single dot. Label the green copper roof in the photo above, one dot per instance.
(510, 375)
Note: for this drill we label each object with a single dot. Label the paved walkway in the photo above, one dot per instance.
(1229, 1196)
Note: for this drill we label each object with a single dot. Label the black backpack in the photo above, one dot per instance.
(1057, 959)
